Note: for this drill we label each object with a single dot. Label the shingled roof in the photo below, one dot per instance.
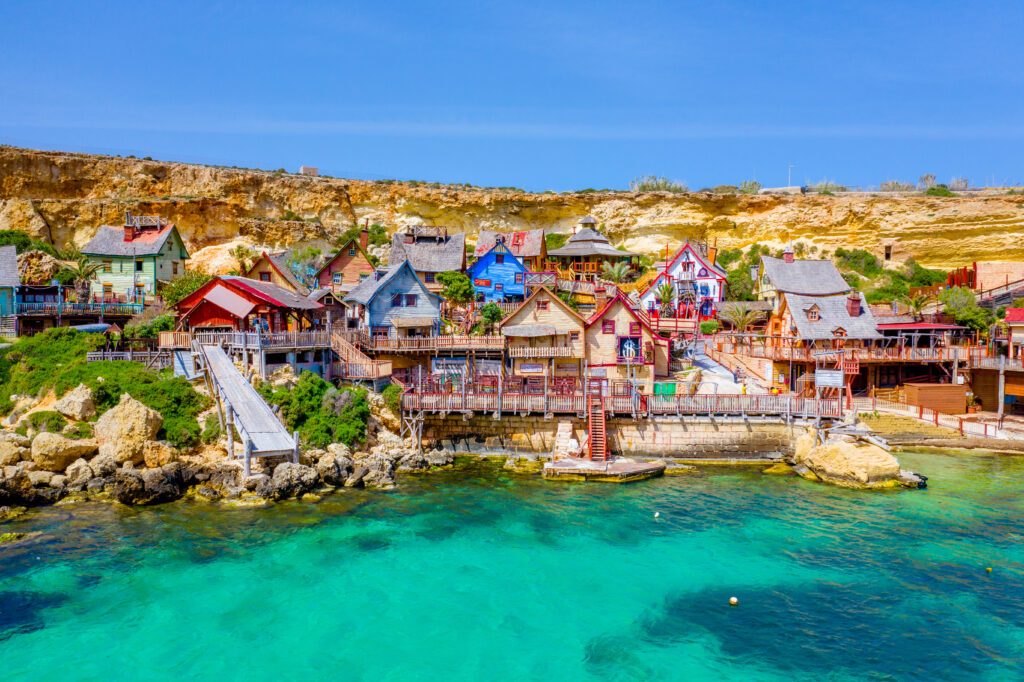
(529, 246)
(109, 241)
(588, 242)
(9, 276)
(427, 254)
(274, 293)
(832, 315)
(808, 277)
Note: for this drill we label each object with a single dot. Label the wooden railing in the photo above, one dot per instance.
(699, 404)
(54, 308)
(544, 352)
(149, 358)
(375, 369)
(253, 340)
(870, 354)
(1010, 364)
(417, 344)
(175, 340)
(965, 426)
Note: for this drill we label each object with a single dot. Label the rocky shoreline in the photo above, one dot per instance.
(123, 462)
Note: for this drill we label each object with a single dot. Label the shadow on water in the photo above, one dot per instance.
(22, 612)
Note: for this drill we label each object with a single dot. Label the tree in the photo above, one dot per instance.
(927, 180)
(895, 186)
(555, 240)
(180, 287)
(666, 293)
(81, 276)
(959, 302)
(959, 184)
(491, 315)
(244, 257)
(916, 303)
(750, 187)
(458, 290)
(740, 317)
(653, 183)
(740, 284)
(614, 272)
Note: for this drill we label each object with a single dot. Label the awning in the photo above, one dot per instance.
(405, 322)
(224, 298)
(529, 330)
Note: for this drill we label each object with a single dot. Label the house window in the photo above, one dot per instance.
(336, 277)
(108, 291)
(352, 251)
(363, 275)
(499, 258)
(607, 326)
(519, 278)
(499, 287)
(428, 277)
(410, 300)
(396, 300)
(543, 305)
(813, 315)
(107, 266)
(634, 329)
(574, 336)
(138, 266)
(264, 276)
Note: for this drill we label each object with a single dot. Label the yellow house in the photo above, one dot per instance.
(621, 346)
(545, 337)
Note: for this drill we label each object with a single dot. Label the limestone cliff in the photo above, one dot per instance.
(64, 197)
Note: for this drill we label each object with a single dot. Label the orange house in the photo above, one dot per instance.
(348, 267)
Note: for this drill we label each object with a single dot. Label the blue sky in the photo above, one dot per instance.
(536, 95)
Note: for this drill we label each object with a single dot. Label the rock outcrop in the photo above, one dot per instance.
(123, 430)
(843, 461)
(77, 404)
(53, 452)
(65, 197)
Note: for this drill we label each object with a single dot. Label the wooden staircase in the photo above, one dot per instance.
(354, 364)
(597, 442)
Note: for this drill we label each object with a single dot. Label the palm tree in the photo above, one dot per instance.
(916, 303)
(614, 272)
(666, 293)
(244, 256)
(740, 317)
(82, 275)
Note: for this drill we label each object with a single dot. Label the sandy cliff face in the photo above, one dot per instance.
(66, 197)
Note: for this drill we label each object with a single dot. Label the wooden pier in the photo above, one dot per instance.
(619, 470)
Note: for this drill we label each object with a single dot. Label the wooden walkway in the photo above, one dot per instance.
(242, 407)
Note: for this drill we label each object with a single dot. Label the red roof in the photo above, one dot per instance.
(911, 326)
(1015, 314)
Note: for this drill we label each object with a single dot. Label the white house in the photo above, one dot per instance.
(697, 280)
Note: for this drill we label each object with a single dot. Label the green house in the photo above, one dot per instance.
(136, 259)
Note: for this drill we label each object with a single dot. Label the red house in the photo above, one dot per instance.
(229, 303)
(348, 267)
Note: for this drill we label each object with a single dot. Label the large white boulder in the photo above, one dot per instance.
(78, 404)
(54, 452)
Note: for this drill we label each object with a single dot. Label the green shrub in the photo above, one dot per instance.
(47, 420)
(392, 395)
(457, 287)
(555, 240)
(150, 329)
(180, 287)
(653, 183)
(321, 413)
(709, 326)
(860, 261)
(79, 430)
(939, 190)
(181, 431)
(920, 276)
(23, 242)
(211, 428)
(853, 279)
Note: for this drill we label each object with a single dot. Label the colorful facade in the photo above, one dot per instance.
(545, 337)
(623, 348)
(136, 258)
(498, 275)
(346, 268)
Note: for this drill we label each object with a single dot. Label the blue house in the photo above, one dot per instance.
(396, 304)
(498, 275)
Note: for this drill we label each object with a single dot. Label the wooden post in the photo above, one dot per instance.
(1002, 386)
(248, 457)
(228, 430)
(295, 447)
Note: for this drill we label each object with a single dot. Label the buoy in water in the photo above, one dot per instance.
(657, 514)
(733, 601)
(988, 569)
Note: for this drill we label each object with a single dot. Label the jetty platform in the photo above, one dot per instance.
(618, 470)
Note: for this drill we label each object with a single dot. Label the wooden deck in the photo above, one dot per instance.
(244, 408)
(618, 470)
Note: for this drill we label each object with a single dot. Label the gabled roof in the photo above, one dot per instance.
(807, 277)
(279, 261)
(619, 298)
(524, 244)
(687, 246)
(588, 242)
(368, 288)
(9, 276)
(272, 293)
(559, 302)
(832, 315)
(428, 254)
(345, 247)
(1015, 315)
(109, 241)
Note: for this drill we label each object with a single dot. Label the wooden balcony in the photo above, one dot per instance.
(431, 344)
(544, 352)
(375, 369)
(786, 353)
(273, 341)
(55, 308)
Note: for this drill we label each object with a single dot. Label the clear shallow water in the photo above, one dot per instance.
(476, 574)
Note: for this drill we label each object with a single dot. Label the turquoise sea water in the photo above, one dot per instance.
(476, 574)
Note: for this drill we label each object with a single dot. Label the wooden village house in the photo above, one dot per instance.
(586, 251)
(544, 338)
(498, 275)
(136, 258)
(699, 284)
(623, 349)
(349, 266)
(528, 246)
(279, 269)
(430, 250)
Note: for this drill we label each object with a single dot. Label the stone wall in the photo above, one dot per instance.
(655, 437)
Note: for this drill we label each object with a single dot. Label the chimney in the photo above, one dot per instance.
(787, 255)
(853, 305)
(364, 238)
(600, 296)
